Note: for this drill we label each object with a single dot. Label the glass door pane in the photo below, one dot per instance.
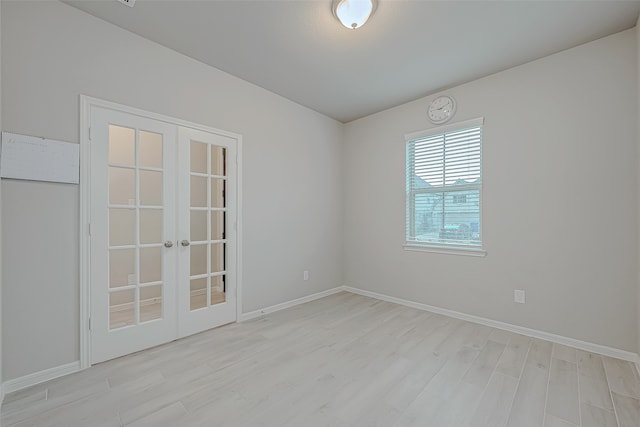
(132, 254)
(135, 226)
(207, 220)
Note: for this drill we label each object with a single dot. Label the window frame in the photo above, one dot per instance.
(445, 248)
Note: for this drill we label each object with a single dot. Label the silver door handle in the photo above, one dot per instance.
(185, 243)
(168, 244)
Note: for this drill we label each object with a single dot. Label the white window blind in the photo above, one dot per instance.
(444, 186)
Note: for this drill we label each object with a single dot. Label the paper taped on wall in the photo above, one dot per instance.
(38, 159)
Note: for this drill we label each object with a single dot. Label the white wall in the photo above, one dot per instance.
(1, 320)
(292, 178)
(559, 210)
(638, 177)
(554, 166)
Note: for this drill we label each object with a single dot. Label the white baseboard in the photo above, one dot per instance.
(571, 342)
(40, 377)
(261, 312)
(51, 373)
(58, 371)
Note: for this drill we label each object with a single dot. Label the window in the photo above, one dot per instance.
(459, 198)
(444, 187)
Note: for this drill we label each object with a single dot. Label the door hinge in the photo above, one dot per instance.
(89, 323)
(89, 133)
(89, 229)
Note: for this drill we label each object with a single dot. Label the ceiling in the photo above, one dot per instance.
(407, 50)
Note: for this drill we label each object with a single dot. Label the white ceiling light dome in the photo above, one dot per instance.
(353, 14)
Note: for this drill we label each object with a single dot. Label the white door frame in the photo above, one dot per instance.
(86, 102)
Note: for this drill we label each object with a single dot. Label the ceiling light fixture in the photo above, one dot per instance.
(353, 13)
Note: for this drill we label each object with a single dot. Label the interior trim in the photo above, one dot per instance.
(86, 102)
(40, 377)
(559, 339)
(51, 373)
(287, 304)
(477, 252)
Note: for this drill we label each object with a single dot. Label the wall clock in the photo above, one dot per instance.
(441, 109)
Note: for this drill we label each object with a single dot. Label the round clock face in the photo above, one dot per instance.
(441, 109)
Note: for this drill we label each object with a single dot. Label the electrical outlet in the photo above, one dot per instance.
(519, 296)
(129, 3)
(305, 275)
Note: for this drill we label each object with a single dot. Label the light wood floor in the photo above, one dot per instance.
(344, 360)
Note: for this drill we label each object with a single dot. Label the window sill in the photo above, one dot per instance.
(477, 252)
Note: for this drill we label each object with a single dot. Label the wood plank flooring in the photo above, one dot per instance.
(344, 360)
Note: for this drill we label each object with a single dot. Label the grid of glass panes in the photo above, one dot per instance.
(444, 188)
(207, 211)
(135, 226)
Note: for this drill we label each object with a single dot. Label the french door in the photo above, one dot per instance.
(207, 253)
(162, 231)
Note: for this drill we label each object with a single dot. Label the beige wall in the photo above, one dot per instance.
(292, 172)
(560, 211)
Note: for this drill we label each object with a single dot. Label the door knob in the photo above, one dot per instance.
(185, 243)
(168, 244)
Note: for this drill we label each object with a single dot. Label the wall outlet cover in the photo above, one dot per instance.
(519, 296)
(129, 3)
